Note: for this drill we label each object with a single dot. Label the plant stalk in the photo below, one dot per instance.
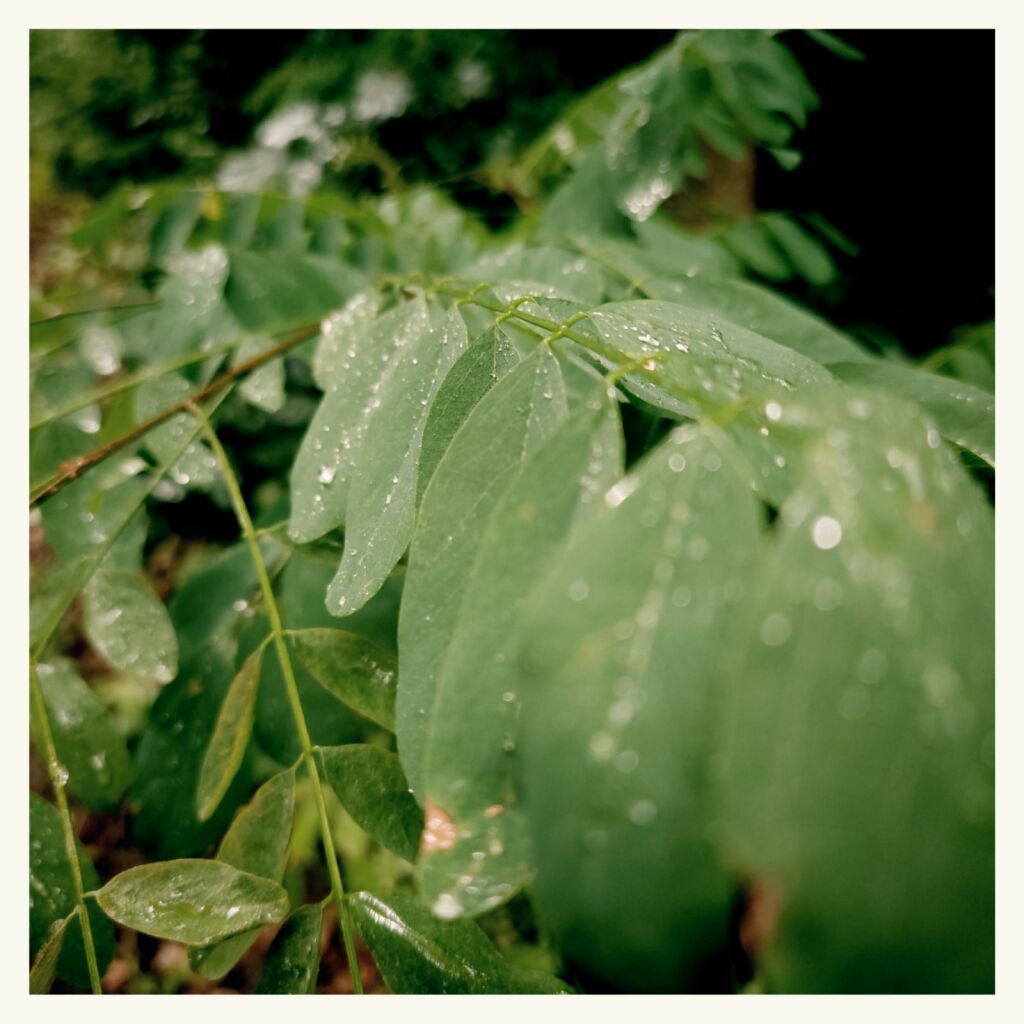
(292, 689)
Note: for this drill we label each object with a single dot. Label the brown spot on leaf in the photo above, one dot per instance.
(494, 810)
(439, 831)
(760, 921)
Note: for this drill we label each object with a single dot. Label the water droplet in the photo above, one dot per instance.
(773, 411)
(826, 532)
(643, 812)
(775, 629)
(578, 590)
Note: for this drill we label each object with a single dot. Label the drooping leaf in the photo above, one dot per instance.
(322, 472)
(858, 747)
(372, 787)
(129, 626)
(381, 508)
(419, 955)
(51, 896)
(294, 958)
(357, 672)
(230, 737)
(963, 413)
(617, 719)
(482, 855)
(257, 842)
(88, 742)
(192, 901)
(510, 422)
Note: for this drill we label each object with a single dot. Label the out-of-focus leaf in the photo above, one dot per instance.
(129, 626)
(859, 738)
(503, 430)
(481, 855)
(87, 740)
(963, 413)
(617, 723)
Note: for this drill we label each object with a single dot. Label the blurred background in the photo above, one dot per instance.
(899, 157)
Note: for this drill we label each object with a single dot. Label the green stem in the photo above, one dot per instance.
(58, 779)
(291, 686)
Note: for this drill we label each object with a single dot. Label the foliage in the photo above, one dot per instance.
(588, 573)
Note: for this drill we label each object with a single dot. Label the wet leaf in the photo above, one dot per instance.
(51, 896)
(616, 729)
(965, 414)
(231, 734)
(192, 901)
(294, 958)
(357, 672)
(87, 740)
(263, 387)
(129, 626)
(420, 955)
(44, 966)
(372, 787)
(257, 842)
(381, 509)
(280, 291)
(858, 747)
(474, 373)
(323, 468)
(472, 728)
(510, 422)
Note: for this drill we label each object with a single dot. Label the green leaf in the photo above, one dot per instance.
(381, 508)
(88, 742)
(51, 596)
(173, 744)
(475, 372)
(834, 44)
(810, 259)
(51, 896)
(551, 270)
(617, 728)
(257, 842)
(419, 955)
(280, 291)
(263, 387)
(322, 472)
(192, 901)
(129, 626)
(477, 852)
(763, 311)
(230, 737)
(174, 226)
(372, 787)
(357, 672)
(963, 413)
(44, 966)
(858, 747)
(294, 958)
(338, 333)
(511, 421)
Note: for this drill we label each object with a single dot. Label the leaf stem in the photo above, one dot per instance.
(73, 467)
(57, 780)
(291, 686)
